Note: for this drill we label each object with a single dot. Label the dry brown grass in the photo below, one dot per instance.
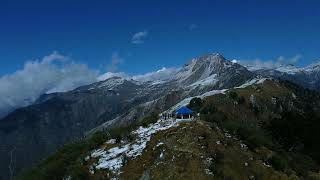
(185, 151)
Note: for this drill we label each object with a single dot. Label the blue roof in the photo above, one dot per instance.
(184, 111)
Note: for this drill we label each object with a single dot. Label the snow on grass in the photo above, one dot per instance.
(159, 144)
(111, 141)
(113, 159)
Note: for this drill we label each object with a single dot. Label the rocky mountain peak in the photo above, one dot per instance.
(210, 65)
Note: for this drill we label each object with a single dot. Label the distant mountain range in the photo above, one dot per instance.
(32, 133)
(308, 77)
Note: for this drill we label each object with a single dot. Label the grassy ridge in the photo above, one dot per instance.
(279, 123)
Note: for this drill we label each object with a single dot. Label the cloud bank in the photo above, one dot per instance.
(270, 64)
(138, 38)
(54, 73)
(57, 73)
(162, 74)
(108, 75)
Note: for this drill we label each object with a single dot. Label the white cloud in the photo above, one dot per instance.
(138, 38)
(162, 74)
(54, 73)
(116, 60)
(270, 64)
(57, 73)
(293, 60)
(234, 61)
(108, 75)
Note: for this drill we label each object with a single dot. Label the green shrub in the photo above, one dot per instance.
(122, 132)
(77, 171)
(65, 161)
(241, 100)
(216, 117)
(279, 162)
(195, 104)
(153, 118)
(208, 109)
(232, 94)
(253, 135)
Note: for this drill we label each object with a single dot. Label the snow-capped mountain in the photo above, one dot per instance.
(57, 118)
(314, 67)
(308, 77)
(60, 117)
(212, 66)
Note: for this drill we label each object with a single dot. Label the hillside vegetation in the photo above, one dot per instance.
(264, 131)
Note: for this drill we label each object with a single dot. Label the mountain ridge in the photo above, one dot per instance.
(228, 140)
(71, 114)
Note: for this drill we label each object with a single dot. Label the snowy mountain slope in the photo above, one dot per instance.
(115, 101)
(113, 159)
(308, 77)
(212, 65)
(156, 148)
(118, 102)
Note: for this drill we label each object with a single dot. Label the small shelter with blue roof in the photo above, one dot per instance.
(184, 113)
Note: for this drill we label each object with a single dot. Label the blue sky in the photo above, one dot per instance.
(171, 32)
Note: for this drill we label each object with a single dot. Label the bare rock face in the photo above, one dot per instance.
(29, 134)
(215, 66)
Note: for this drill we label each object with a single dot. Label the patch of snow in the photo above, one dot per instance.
(157, 82)
(251, 82)
(243, 146)
(267, 165)
(113, 158)
(208, 172)
(187, 100)
(67, 178)
(206, 81)
(227, 135)
(161, 155)
(209, 160)
(159, 144)
(111, 83)
(91, 170)
(111, 141)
